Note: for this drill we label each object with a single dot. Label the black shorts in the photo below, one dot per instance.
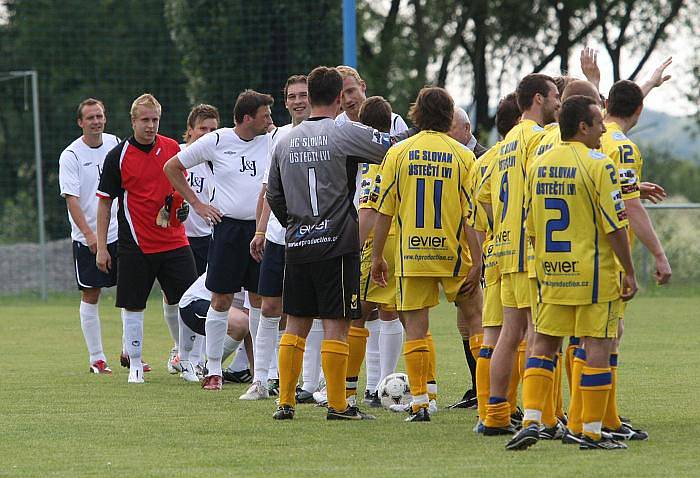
(326, 289)
(87, 275)
(200, 250)
(175, 271)
(230, 265)
(271, 270)
(195, 315)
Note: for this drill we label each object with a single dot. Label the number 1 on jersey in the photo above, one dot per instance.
(312, 191)
(420, 203)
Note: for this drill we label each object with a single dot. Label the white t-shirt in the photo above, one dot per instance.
(198, 291)
(238, 169)
(200, 179)
(398, 125)
(79, 171)
(275, 231)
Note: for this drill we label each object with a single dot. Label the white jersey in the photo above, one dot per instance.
(398, 125)
(275, 231)
(198, 291)
(200, 179)
(238, 167)
(79, 172)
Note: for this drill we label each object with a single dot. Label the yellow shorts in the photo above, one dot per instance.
(515, 290)
(492, 315)
(590, 320)
(369, 290)
(414, 293)
(623, 308)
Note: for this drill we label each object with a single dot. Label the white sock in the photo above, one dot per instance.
(264, 347)
(311, 372)
(240, 361)
(188, 338)
(170, 314)
(133, 336)
(274, 373)
(372, 356)
(390, 345)
(216, 325)
(230, 346)
(90, 323)
(197, 354)
(253, 323)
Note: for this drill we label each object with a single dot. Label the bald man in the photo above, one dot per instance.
(461, 130)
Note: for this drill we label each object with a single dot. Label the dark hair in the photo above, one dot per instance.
(376, 112)
(531, 85)
(575, 109)
(561, 82)
(507, 114)
(624, 98)
(248, 103)
(293, 80)
(199, 113)
(89, 102)
(325, 85)
(433, 109)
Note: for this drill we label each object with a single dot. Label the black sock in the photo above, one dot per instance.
(471, 362)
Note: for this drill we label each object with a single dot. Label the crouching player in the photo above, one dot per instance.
(193, 316)
(576, 220)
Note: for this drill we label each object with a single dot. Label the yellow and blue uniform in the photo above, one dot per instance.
(425, 185)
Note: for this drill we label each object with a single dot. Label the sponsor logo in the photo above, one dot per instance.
(619, 136)
(87, 164)
(353, 302)
(248, 166)
(135, 343)
(229, 152)
(196, 183)
(381, 138)
(502, 237)
(312, 229)
(616, 195)
(423, 242)
(596, 154)
(628, 176)
(560, 267)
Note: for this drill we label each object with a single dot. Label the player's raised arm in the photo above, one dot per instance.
(657, 78)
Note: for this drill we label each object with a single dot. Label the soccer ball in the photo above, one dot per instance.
(394, 390)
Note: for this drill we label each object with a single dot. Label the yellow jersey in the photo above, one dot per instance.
(425, 183)
(479, 219)
(369, 192)
(574, 201)
(506, 193)
(551, 138)
(626, 156)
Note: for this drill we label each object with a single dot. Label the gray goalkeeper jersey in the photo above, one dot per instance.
(312, 183)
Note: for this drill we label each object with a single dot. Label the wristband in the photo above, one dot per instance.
(259, 233)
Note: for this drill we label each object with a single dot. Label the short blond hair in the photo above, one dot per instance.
(346, 71)
(147, 100)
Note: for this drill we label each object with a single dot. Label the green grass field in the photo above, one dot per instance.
(58, 420)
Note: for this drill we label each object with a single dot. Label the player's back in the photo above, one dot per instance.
(574, 201)
(426, 184)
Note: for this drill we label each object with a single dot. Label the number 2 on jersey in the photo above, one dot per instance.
(555, 225)
(420, 203)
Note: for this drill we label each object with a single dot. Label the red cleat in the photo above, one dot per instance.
(212, 382)
(124, 361)
(100, 367)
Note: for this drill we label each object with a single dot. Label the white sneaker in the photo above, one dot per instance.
(188, 372)
(174, 362)
(399, 407)
(432, 407)
(200, 370)
(321, 397)
(257, 391)
(136, 375)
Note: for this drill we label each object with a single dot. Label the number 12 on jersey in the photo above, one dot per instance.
(420, 203)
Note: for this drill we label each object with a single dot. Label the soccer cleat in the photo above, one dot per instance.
(479, 427)
(553, 433)
(626, 432)
(273, 387)
(400, 407)
(421, 415)
(257, 391)
(304, 397)
(173, 364)
(432, 406)
(625, 420)
(321, 397)
(201, 371)
(188, 372)
(284, 412)
(239, 376)
(350, 413)
(100, 367)
(495, 431)
(588, 443)
(213, 382)
(372, 399)
(563, 419)
(570, 438)
(126, 363)
(525, 438)
(135, 375)
(468, 400)
(516, 418)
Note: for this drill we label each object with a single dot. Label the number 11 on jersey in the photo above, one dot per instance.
(420, 203)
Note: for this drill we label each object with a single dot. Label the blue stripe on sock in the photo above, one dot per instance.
(555, 360)
(485, 352)
(535, 362)
(613, 360)
(580, 353)
(574, 341)
(496, 400)
(596, 380)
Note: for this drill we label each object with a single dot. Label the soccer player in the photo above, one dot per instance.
(79, 170)
(193, 314)
(425, 183)
(365, 332)
(624, 106)
(576, 219)
(502, 194)
(133, 173)
(239, 157)
(311, 182)
(267, 247)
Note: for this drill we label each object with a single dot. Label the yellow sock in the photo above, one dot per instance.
(334, 360)
(291, 357)
(558, 392)
(522, 359)
(611, 419)
(497, 413)
(483, 379)
(515, 377)
(574, 343)
(357, 341)
(416, 357)
(537, 389)
(595, 390)
(548, 418)
(432, 367)
(575, 423)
